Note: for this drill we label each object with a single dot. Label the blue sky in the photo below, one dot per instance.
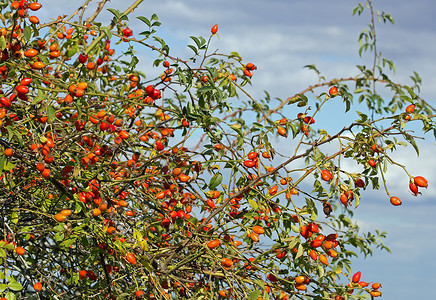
(280, 37)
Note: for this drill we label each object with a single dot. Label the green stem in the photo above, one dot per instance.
(112, 25)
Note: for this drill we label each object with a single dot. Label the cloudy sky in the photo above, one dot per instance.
(280, 37)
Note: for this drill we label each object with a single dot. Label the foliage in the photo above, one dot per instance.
(115, 185)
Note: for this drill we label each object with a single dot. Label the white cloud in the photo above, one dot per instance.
(281, 37)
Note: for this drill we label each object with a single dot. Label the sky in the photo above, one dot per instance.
(281, 37)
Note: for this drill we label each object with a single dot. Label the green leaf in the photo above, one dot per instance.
(2, 43)
(10, 296)
(320, 271)
(312, 67)
(15, 286)
(3, 287)
(68, 243)
(40, 96)
(388, 17)
(215, 181)
(161, 41)
(411, 140)
(348, 268)
(362, 116)
(137, 235)
(193, 49)
(2, 162)
(10, 132)
(27, 33)
(254, 295)
(14, 217)
(199, 41)
(7, 166)
(205, 88)
(51, 114)
(358, 9)
(232, 91)
(295, 228)
(299, 251)
(313, 215)
(411, 92)
(357, 200)
(145, 263)
(115, 12)
(294, 129)
(253, 204)
(145, 20)
(9, 246)
(237, 128)
(347, 105)
(155, 17)
(72, 50)
(58, 236)
(260, 283)
(106, 31)
(134, 61)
